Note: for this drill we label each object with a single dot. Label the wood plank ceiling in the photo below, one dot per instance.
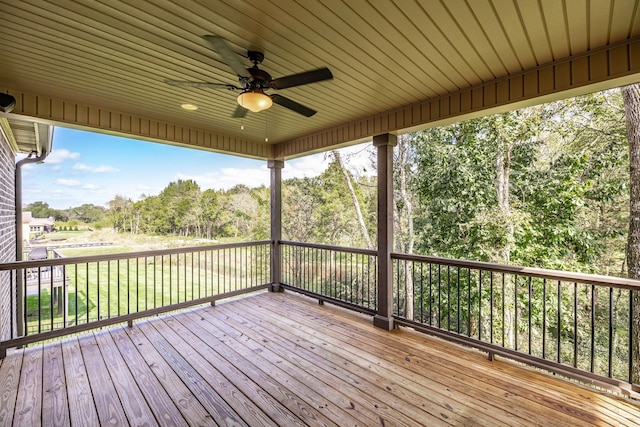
(102, 64)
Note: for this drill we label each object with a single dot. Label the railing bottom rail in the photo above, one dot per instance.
(324, 298)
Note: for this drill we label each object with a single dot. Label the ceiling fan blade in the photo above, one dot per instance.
(292, 105)
(230, 57)
(240, 112)
(302, 78)
(181, 83)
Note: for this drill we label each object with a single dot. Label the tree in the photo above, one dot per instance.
(631, 96)
(354, 198)
(177, 200)
(120, 213)
(298, 210)
(87, 213)
(541, 186)
(41, 210)
(404, 201)
(210, 211)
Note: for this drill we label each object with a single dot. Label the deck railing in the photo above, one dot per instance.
(67, 295)
(344, 276)
(578, 325)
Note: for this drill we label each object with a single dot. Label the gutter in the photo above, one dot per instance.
(43, 137)
(18, 192)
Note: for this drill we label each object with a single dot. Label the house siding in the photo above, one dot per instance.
(7, 234)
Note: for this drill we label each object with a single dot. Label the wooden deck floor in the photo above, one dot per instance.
(281, 359)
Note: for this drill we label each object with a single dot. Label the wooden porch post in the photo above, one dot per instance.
(384, 144)
(276, 222)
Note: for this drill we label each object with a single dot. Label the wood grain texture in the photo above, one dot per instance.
(103, 390)
(277, 359)
(55, 408)
(28, 407)
(9, 380)
(82, 409)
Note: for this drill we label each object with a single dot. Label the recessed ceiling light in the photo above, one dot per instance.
(189, 107)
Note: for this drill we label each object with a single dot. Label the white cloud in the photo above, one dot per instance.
(68, 182)
(229, 177)
(59, 156)
(356, 158)
(95, 169)
(308, 166)
(90, 187)
(360, 159)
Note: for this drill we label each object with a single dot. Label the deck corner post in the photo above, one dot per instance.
(275, 166)
(384, 144)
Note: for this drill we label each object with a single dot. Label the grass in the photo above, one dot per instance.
(106, 289)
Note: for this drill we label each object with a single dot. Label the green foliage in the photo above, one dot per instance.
(182, 209)
(42, 210)
(320, 209)
(564, 169)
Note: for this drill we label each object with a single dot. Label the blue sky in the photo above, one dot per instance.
(86, 167)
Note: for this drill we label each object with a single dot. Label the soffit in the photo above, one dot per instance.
(385, 55)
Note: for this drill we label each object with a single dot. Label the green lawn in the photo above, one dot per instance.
(112, 288)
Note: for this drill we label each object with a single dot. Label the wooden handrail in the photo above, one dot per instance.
(124, 255)
(543, 273)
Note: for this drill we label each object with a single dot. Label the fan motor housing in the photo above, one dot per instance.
(260, 78)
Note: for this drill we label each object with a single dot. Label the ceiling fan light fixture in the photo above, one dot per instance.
(255, 100)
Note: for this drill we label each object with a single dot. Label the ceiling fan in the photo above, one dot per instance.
(253, 82)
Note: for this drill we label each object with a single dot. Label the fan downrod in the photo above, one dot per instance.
(255, 56)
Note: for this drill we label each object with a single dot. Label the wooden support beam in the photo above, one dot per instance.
(384, 144)
(275, 167)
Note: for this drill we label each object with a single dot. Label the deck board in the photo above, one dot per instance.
(55, 409)
(182, 397)
(281, 359)
(274, 409)
(82, 409)
(501, 388)
(9, 381)
(437, 399)
(448, 377)
(217, 407)
(28, 408)
(364, 394)
(103, 391)
(131, 398)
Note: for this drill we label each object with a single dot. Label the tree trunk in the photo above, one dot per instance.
(503, 172)
(404, 221)
(631, 98)
(356, 203)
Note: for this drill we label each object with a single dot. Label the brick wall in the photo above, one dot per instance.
(7, 232)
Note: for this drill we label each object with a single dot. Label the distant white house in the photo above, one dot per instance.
(31, 225)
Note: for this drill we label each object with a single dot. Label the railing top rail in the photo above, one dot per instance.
(330, 247)
(124, 255)
(565, 276)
